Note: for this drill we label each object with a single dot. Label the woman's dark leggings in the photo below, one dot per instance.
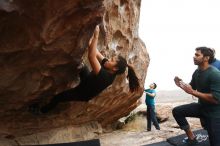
(74, 94)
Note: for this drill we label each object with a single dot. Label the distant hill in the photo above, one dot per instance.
(171, 96)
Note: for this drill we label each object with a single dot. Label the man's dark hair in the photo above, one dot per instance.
(155, 85)
(207, 52)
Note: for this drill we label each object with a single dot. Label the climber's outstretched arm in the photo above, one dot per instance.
(93, 53)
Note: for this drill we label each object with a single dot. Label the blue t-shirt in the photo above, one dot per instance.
(216, 64)
(149, 99)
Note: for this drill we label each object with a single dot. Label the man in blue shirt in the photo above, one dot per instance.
(216, 62)
(151, 116)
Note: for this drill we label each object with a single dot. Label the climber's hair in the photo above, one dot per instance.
(134, 84)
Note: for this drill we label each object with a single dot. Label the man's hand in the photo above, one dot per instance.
(187, 88)
(151, 94)
(177, 81)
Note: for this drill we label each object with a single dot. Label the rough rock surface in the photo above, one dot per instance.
(135, 133)
(41, 44)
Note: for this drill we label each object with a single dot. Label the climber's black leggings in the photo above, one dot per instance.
(74, 94)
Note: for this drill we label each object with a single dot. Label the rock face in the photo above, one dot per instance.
(41, 44)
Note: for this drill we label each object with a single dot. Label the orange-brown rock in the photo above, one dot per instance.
(41, 44)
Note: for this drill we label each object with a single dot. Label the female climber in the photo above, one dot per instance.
(100, 77)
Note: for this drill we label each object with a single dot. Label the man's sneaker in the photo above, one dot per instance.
(198, 139)
(190, 142)
(201, 137)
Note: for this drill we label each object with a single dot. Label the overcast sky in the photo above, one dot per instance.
(171, 30)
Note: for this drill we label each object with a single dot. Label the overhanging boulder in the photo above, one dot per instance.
(41, 44)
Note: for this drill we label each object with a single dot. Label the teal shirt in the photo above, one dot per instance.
(208, 81)
(149, 100)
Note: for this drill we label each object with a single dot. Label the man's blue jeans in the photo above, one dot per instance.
(195, 110)
(151, 117)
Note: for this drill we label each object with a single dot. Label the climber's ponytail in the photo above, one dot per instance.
(133, 80)
(134, 84)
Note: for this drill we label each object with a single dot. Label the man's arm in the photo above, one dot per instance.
(188, 89)
(204, 96)
(151, 94)
(92, 52)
